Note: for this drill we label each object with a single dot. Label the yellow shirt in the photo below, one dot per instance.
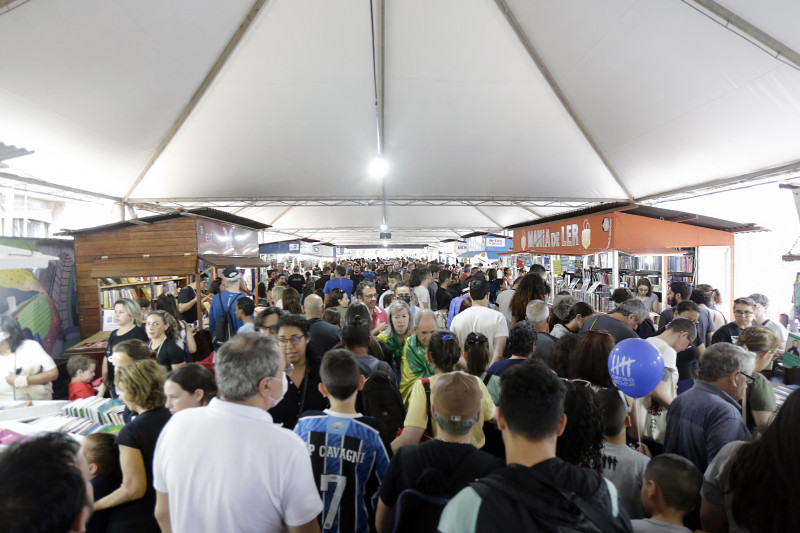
(417, 406)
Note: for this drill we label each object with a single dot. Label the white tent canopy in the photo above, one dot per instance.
(488, 112)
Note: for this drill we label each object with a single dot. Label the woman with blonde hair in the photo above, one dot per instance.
(128, 316)
(759, 401)
(133, 504)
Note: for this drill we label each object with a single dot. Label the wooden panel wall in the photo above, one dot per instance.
(172, 246)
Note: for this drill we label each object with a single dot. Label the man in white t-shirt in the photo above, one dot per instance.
(480, 319)
(421, 290)
(680, 333)
(249, 474)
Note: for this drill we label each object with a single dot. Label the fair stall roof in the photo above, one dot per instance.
(489, 113)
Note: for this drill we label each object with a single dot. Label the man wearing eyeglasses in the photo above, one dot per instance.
(250, 474)
(708, 416)
(743, 314)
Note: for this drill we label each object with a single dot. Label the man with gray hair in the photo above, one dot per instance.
(250, 474)
(537, 313)
(225, 301)
(708, 416)
(622, 323)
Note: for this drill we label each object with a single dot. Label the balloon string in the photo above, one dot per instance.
(638, 422)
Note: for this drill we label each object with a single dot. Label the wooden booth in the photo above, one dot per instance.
(593, 251)
(148, 256)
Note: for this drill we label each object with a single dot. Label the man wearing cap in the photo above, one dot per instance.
(456, 407)
(225, 301)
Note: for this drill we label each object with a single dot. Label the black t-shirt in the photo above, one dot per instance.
(727, 333)
(320, 283)
(306, 398)
(323, 336)
(357, 278)
(459, 464)
(296, 281)
(169, 353)
(137, 332)
(186, 295)
(142, 434)
(103, 485)
(443, 297)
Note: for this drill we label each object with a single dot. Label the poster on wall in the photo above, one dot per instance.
(44, 300)
(791, 357)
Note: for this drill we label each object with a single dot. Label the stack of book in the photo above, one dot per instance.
(85, 416)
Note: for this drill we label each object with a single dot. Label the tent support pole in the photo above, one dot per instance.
(728, 19)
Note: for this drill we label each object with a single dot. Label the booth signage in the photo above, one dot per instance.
(225, 239)
(495, 242)
(574, 236)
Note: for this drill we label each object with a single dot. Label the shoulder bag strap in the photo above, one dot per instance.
(426, 383)
(593, 323)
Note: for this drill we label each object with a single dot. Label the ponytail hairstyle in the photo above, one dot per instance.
(476, 350)
(444, 349)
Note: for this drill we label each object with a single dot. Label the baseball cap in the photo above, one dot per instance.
(230, 272)
(456, 396)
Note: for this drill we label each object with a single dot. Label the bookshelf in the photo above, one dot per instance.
(112, 289)
(592, 278)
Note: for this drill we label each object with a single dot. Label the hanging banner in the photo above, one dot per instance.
(225, 239)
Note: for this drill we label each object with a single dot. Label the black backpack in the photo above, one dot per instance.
(381, 399)
(528, 501)
(225, 328)
(420, 507)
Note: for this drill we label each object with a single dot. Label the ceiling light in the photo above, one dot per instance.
(378, 168)
(383, 227)
(385, 244)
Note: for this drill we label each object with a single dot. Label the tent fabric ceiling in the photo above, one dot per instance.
(629, 100)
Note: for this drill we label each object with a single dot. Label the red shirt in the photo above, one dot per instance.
(378, 317)
(80, 390)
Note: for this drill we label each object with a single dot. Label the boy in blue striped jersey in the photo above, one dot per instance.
(347, 454)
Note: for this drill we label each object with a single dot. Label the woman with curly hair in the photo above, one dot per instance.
(141, 388)
(581, 443)
(531, 287)
(748, 486)
(589, 360)
(291, 301)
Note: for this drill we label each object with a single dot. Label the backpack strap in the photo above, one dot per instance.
(522, 477)
(595, 322)
(487, 378)
(426, 384)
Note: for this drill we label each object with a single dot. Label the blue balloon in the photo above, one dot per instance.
(636, 367)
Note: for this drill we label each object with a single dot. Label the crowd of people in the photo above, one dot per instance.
(402, 396)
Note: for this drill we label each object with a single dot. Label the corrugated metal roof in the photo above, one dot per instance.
(211, 214)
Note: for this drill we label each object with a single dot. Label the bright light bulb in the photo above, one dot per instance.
(385, 244)
(378, 168)
(383, 227)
